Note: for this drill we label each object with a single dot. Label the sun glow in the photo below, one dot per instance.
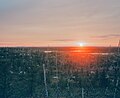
(81, 44)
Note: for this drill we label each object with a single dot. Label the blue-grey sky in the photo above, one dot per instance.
(59, 22)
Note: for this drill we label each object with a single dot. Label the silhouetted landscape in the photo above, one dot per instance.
(60, 72)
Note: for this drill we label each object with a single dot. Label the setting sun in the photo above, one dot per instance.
(81, 44)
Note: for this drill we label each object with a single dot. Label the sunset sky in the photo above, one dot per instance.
(59, 22)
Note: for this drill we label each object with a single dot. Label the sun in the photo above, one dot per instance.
(81, 44)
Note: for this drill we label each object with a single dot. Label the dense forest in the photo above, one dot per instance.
(40, 73)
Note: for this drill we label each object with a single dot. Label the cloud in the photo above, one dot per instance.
(107, 36)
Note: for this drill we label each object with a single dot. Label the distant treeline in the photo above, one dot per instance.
(72, 49)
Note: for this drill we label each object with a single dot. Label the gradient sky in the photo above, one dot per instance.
(59, 22)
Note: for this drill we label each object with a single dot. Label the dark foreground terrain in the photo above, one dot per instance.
(60, 72)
